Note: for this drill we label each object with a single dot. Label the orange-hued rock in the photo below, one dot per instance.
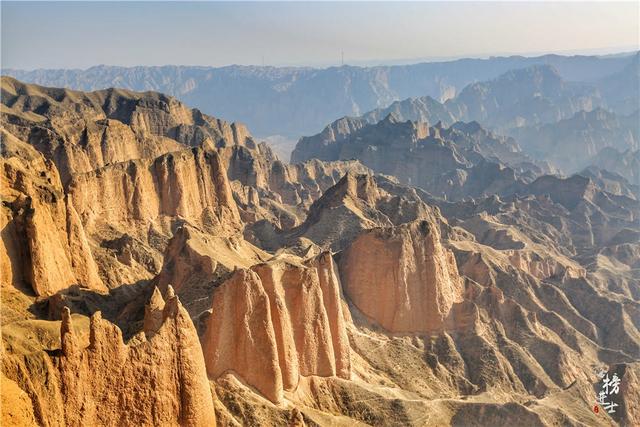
(402, 277)
(190, 184)
(16, 408)
(159, 381)
(544, 267)
(240, 336)
(302, 328)
(84, 131)
(43, 240)
(329, 282)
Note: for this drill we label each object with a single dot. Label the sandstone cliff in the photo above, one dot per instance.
(157, 380)
(492, 309)
(402, 278)
(190, 184)
(44, 246)
(276, 323)
(161, 381)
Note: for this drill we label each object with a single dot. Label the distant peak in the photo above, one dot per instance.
(391, 118)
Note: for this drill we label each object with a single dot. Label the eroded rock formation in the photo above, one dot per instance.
(514, 296)
(190, 184)
(277, 322)
(159, 381)
(402, 277)
(44, 244)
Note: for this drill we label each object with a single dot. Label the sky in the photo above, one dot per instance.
(83, 34)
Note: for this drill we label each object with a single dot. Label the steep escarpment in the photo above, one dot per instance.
(159, 378)
(267, 189)
(190, 184)
(355, 203)
(83, 131)
(277, 322)
(453, 310)
(44, 247)
(402, 277)
(128, 166)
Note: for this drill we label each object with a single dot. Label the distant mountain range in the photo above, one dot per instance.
(454, 162)
(564, 123)
(300, 101)
(574, 143)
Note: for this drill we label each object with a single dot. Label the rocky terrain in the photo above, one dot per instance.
(461, 160)
(577, 142)
(162, 267)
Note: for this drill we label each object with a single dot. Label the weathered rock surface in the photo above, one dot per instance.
(491, 310)
(189, 184)
(159, 378)
(84, 131)
(461, 160)
(353, 204)
(402, 277)
(278, 322)
(160, 381)
(44, 246)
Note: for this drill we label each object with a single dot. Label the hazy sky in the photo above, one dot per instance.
(82, 34)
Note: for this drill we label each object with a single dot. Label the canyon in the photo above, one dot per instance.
(161, 266)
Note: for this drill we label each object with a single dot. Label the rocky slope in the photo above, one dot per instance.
(109, 382)
(317, 293)
(521, 97)
(44, 246)
(276, 322)
(551, 119)
(402, 278)
(625, 163)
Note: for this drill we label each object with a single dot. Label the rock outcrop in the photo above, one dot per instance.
(44, 246)
(159, 381)
(277, 322)
(402, 278)
(573, 143)
(353, 204)
(515, 293)
(85, 131)
(191, 184)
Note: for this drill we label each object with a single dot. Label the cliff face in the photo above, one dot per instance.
(44, 246)
(158, 378)
(191, 184)
(353, 204)
(515, 296)
(83, 131)
(402, 278)
(127, 165)
(279, 322)
(170, 361)
(461, 160)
